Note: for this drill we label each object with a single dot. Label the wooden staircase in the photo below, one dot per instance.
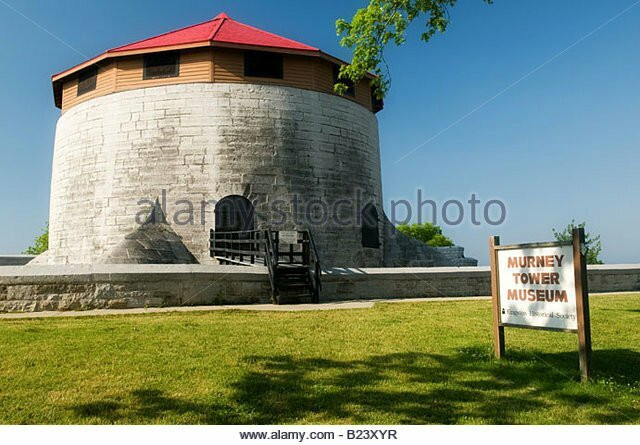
(291, 258)
(293, 284)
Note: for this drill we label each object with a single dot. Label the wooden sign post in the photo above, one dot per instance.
(542, 286)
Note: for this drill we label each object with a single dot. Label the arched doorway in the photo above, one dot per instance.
(234, 213)
(234, 226)
(370, 231)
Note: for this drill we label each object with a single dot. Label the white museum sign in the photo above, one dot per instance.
(537, 287)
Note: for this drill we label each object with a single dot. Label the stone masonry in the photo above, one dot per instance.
(74, 287)
(194, 144)
(153, 242)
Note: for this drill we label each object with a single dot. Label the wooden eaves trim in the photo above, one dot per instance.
(57, 79)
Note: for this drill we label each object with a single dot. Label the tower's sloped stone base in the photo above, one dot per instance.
(154, 242)
(403, 251)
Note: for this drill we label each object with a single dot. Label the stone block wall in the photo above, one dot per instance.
(403, 251)
(15, 260)
(72, 288)
(453, 256)
(614, 278)
(201, 142)
(41, 288)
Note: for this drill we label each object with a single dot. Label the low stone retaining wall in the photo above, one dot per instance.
(40, 288)
(345, 284)
(15, 260)
(417, 282)
(50, 288)
(614, 278)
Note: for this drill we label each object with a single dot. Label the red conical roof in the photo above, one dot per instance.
(222, 29)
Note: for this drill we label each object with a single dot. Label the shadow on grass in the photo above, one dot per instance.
(410, 388)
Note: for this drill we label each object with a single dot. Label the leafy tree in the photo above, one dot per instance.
(41, 243)
(383, 21)
(427, 233)
(592, 242)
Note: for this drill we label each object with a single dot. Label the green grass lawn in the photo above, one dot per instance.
(395, 363)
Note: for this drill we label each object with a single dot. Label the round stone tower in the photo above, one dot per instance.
(218, 112)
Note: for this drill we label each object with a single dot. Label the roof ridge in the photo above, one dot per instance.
(274, 35)
(222, 29)
(222, 17)
(160, 35)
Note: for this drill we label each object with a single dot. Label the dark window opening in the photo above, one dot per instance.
(351, 88)
(376, 104)
(370, 232)
(234, 213)
(87, 80)
(262, 64)
(161, 65)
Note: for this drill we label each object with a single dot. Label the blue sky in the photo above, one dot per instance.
(539, 103)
